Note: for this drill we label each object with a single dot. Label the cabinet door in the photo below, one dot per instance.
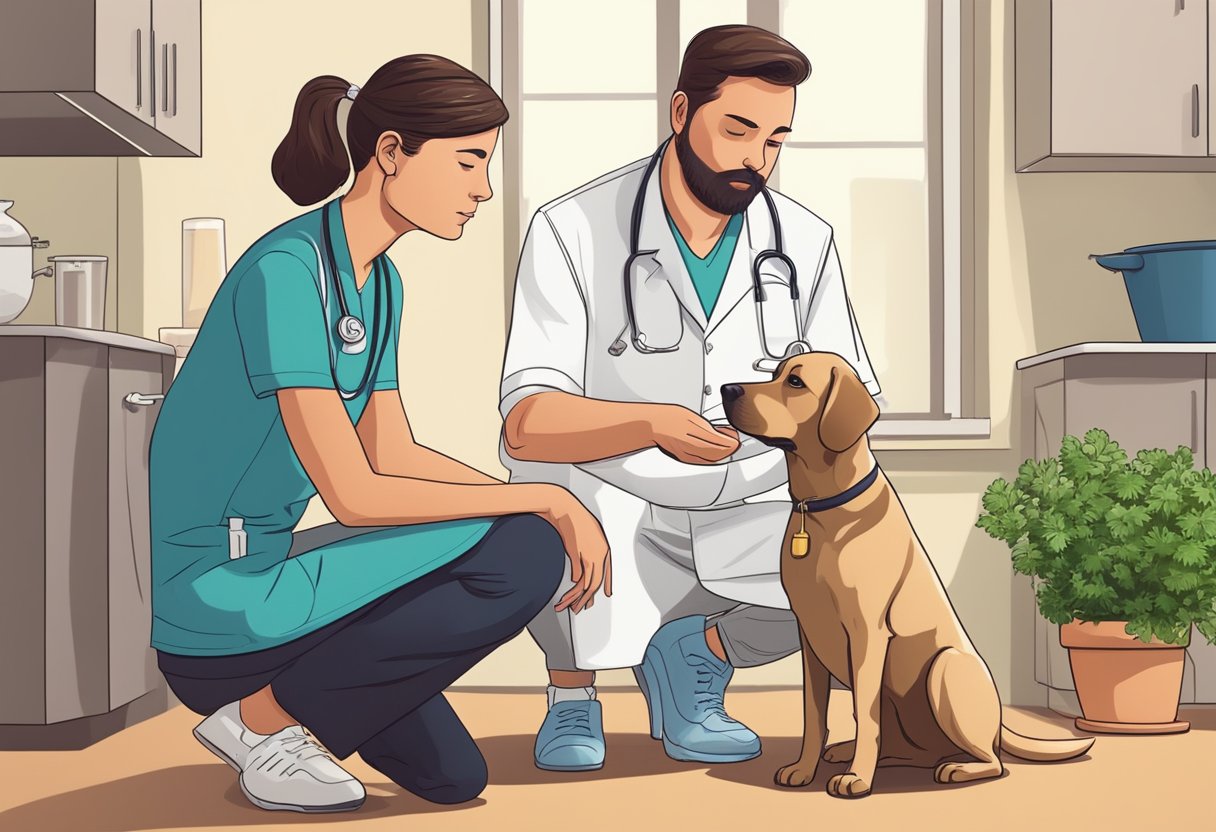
(1129, 77)
(76, 609)
(178, 62)
(124, 56)
(1142, 401)
(133, 669)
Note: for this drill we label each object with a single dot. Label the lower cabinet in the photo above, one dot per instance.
(75, 558)
(1144, 398)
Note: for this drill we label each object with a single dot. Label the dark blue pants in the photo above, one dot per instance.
(373, 681)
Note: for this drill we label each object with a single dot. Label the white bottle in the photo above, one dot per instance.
(238, 538)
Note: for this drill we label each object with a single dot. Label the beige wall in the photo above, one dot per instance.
(1038, 290)
(73, 203)
(1041, 292)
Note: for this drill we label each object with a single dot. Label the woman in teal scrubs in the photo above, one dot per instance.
(351, 632)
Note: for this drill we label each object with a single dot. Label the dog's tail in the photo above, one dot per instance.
(1041, 750)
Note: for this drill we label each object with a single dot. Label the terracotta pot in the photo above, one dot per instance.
(1126, 686)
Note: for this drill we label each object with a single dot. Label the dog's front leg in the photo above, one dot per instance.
(868, 657)
(816, 685)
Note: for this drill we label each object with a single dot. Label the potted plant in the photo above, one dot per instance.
(1122, 555)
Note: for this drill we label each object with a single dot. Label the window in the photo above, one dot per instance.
(879, 151)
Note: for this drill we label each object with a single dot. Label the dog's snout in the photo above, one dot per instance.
(731, 392)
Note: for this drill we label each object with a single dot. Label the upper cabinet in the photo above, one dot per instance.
(1113, 85)
(101, 78)
(176, 32)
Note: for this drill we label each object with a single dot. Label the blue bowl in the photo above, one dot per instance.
(1172, 288)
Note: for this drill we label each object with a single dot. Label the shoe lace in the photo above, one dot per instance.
(574, 720)
(303, 746)
(710, 691)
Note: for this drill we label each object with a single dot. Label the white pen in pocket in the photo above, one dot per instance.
(238, 538)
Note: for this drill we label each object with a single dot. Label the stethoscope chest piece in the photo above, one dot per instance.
(352, 334)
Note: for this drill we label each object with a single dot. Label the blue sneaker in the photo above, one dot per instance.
(684, 684)
(572, 737)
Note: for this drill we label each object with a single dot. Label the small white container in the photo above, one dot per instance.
(238, 538)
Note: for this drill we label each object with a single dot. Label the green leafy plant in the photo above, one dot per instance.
(1108, 538)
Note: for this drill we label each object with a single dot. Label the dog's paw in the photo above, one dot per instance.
(795, 775)
(848, 785)
(840, 752)
(967, 772)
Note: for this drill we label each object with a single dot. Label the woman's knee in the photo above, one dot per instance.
(459, 784)
(534, 557)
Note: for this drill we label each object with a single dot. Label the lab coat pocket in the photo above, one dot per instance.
(737, 551)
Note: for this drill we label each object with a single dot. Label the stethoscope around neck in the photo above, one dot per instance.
(770, 360)
(350, 329)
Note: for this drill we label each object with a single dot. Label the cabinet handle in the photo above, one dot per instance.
(1195, 423)
(164, 78)
(152, 71)
(174, 79)
(142, 399)
(139, 69)
(1194, 111)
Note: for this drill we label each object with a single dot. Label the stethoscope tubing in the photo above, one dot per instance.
(758, 294)
(347, 323)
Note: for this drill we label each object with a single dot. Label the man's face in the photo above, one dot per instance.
(728, 149)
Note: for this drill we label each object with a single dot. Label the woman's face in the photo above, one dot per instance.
(439, 188)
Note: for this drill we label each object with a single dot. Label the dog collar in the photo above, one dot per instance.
(840, 499)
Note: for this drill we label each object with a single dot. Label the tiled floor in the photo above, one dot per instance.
(155, 776)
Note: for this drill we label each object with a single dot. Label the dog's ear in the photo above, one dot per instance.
(848, 410)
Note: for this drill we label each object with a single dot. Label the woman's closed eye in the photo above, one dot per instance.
(465, 166)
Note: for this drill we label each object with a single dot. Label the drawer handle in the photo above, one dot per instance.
(143, 399)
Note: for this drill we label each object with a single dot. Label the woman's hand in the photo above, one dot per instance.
(587, 548)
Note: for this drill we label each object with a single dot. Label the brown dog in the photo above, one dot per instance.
(872, 609)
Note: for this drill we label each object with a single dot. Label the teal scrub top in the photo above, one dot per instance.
(708, 273)
(219, 450)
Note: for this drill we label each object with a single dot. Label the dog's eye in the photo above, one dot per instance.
(796, 382)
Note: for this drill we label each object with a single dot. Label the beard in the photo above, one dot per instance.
(712, 188)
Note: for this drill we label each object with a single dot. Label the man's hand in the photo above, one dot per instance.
(684, 435)
(587, 548)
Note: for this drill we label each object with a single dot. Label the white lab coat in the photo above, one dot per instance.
(569, 308)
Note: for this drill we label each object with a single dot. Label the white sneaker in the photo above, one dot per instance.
(290, 771)
(225, 735)
(287, 770)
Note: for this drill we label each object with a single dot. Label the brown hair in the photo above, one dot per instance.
(418, 96)
(722, 52)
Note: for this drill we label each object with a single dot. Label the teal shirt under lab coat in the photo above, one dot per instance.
(219, 450)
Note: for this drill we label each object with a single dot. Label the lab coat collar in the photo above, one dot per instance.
(662, 258)
(660, 254)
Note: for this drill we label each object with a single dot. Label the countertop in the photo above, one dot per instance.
(1109, 347)
(93, 336)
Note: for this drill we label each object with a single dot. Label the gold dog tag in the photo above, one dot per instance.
(800, 543)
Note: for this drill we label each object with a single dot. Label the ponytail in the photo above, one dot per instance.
(419, 97)
(311, 162)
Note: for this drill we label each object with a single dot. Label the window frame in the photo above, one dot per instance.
(957, 355)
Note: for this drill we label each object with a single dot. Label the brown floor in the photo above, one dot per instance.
(155, 776)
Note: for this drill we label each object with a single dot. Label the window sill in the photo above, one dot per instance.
(929, 430)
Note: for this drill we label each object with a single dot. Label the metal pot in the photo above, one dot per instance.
(17, 264)
(1172, 288)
